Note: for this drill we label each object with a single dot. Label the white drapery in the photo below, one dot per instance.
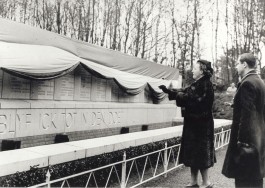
(38, 54)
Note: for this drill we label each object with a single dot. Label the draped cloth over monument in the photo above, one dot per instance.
(197, 144)
(34, 53)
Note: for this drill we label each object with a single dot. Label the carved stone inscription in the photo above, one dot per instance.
(82, 84)
(42, 89)
(124, 97)
(1, 83)
(64, 87)
(39, 121)
(7, 124)
(30, 122)
(112, 91)
(87, 119)
(98, 92)
(15, 87)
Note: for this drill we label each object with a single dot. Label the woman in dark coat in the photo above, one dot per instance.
(197, 143)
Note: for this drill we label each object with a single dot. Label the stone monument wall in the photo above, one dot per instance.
(78, 104)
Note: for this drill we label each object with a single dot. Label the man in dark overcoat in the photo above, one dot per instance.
(245, 157)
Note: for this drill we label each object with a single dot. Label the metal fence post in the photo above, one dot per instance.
(222, 138)
(123, 171)
(165, 160)
(48, 178)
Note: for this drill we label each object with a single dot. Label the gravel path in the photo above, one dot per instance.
(181, 177)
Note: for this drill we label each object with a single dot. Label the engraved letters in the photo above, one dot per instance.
(3, 123)
(30, 122)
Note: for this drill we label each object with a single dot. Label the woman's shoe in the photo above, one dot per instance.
(208, 186)
(195, 185)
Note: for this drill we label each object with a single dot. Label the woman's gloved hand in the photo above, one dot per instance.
(164, 88)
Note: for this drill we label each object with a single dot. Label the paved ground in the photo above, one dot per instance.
(181, 177)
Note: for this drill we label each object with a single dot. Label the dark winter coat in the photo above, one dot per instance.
(197, 143)
(247, 127)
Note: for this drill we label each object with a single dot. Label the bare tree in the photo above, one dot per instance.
(227, 38)
(128, 17)
(216, 30)
(139, 11)
(58, 16)
(193, 31)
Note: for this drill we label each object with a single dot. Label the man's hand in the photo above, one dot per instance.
(164, 88)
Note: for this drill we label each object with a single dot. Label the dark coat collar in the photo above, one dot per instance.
(202, 79)
(252, 72)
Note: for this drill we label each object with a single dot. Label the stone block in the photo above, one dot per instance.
(64, 87)
(94, 146)
(98, 92)
(114, 91)
(42, 89)
(7, 123)
(15, 87)
(124, 97)
(83, 84)
(1, 83)
(155, 116)
(42, 104)
(20, 160)
(169, 113)
(109, 90)
(59, 153)
(14, 104)
(30, 122)
(136, 116)
(64, 104)
(143, 140)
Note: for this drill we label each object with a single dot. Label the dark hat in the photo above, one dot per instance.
(207, 65)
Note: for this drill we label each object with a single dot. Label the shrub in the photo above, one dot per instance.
(222, 110)
(38, 175)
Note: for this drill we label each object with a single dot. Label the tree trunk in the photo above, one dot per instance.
(227, 34)
(58, 17)
(138, 27)
(144, 40)
(88, 21)
(127, 22)
(193, 33)
(93, 21)
(216, 31)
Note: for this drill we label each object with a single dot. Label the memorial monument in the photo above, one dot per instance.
(52, 85)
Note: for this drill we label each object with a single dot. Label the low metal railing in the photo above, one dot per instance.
(130, 174)
(222, 138)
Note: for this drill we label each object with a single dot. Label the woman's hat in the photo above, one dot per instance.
(207, 65)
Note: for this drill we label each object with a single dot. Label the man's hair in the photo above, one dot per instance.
(249, 58)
